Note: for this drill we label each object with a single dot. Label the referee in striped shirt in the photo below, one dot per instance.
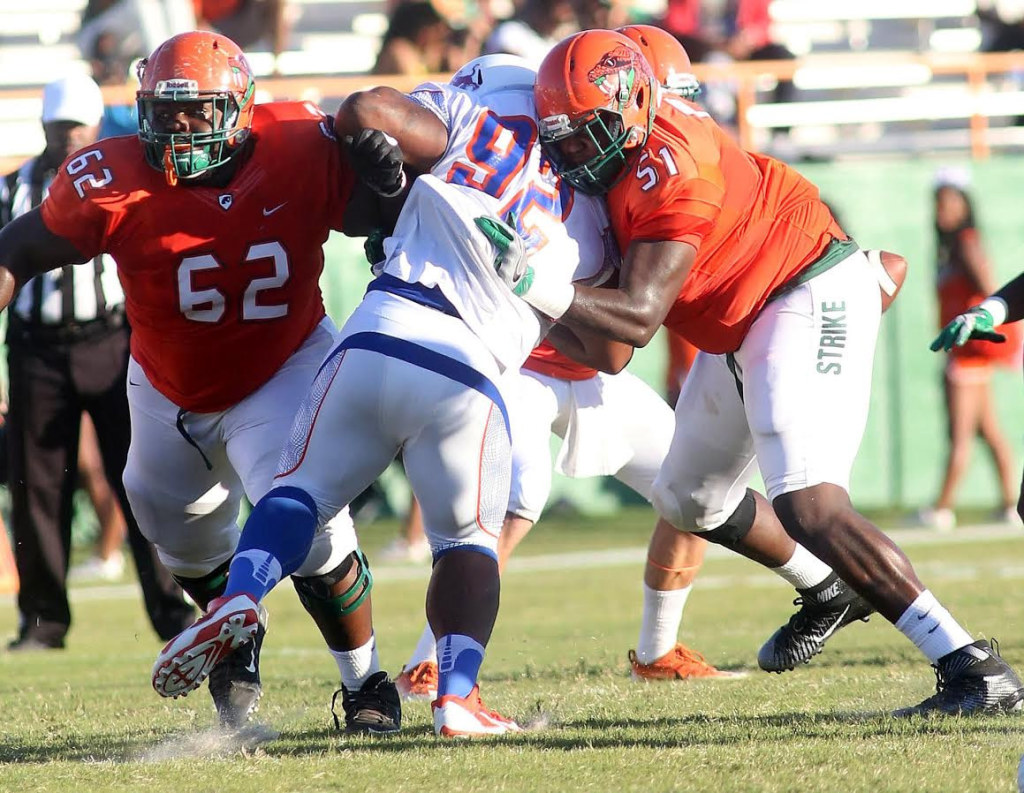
(67, 353)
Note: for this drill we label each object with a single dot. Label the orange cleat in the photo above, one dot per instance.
(420, 682)
(679, 663)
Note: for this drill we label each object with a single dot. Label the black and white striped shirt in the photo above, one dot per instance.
(72, 294)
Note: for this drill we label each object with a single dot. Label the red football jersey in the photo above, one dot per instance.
(754, 221)
(545, 359)
(221, 283)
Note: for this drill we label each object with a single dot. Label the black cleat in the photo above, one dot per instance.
(235, 681)
(971, 680)
(374, 709)
(824, 609)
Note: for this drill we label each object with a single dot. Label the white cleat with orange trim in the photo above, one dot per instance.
(187, 659)
(468, 717)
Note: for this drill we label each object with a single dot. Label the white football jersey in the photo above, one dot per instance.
(494, 165)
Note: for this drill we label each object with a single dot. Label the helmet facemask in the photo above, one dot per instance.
(188, 155)
(606, 134)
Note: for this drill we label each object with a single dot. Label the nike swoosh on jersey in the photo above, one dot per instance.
(268, 212)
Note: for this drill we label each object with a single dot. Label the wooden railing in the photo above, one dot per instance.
(979, 101)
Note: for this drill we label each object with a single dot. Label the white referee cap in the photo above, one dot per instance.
(73, 98)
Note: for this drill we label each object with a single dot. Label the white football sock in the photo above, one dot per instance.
(426, 649)
(357, 665)
(803, 570)
(659, 628)
(928, 625)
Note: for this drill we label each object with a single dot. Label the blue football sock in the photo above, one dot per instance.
(275, 541)
(458, 664)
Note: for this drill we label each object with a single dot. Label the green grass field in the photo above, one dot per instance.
(86, 719)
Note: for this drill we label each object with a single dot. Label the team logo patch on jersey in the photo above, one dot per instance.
(225, 201)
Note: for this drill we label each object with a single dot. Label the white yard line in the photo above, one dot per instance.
(618, 557)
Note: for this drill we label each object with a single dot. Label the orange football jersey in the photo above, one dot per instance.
(546, 360)
(754, 221)
(221, 283)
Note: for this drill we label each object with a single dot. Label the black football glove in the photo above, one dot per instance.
(378, 160)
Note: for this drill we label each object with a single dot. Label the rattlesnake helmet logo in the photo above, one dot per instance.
(615, 74)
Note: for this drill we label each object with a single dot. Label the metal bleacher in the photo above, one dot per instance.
(862, 82)
(37, 44)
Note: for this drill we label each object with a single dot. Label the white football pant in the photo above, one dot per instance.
(611, 425)
(412, 379)
(805, 374)
(190, 512)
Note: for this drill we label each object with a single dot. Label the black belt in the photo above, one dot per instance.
(66, 332)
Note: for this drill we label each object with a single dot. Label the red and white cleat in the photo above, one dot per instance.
(468, 717)
(420, 682)
(188, 658)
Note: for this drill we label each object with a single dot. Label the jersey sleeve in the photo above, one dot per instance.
(674, 196)
(340, 176)
(456, 108)
(81, 205)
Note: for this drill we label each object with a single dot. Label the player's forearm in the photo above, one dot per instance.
(27, 249)
(590, 349)
(1012, 295)
(649, 283)
(614, 313)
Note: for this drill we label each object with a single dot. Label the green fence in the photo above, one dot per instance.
(883, 204)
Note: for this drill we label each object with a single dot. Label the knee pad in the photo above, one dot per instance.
(327, 596)
(205, 588)
(731, 533)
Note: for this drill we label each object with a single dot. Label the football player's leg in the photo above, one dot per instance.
(644, 424)
(182, 489)
(807, 412)
(702, 487)
(459, 466)
(534, 403)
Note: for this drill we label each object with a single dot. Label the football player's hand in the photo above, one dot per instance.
(543, 289)
(377, 160)
(373, 248)
(975, 324)
(510, 263)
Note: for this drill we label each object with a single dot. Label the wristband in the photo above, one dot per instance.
(995, 306)
(551, 299)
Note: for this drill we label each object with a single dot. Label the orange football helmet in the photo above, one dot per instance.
(668, 58)
(208, 73)
(595, 95)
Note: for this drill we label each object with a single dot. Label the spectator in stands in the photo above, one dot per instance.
(250, 24)
(67, 353)
(606, 14)
(1002, 25)
(748, 38)
(684, 21)
(536, 27)
(964, 279)
(416, 41)
(136, 26)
